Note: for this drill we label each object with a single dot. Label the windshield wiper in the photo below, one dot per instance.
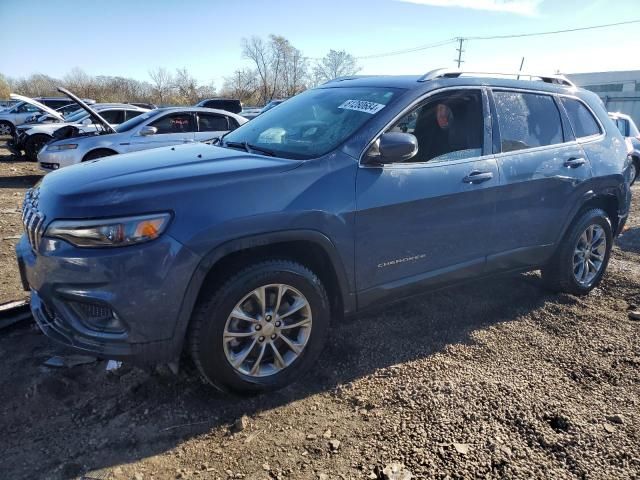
(247, 147)
(242, 145)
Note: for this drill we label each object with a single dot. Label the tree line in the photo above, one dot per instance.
(276, 69)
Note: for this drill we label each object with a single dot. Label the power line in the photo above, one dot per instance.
(553, 32)
(409, 50)
(492, 37)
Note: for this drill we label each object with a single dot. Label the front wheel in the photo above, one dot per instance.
(583, 256)
(6, 128)
(100, 153)
(262, 329)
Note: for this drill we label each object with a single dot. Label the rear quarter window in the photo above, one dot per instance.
(527, 120)
(582, 121)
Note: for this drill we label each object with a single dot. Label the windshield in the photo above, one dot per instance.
(313, 123)
(135, 121)
(77, 115)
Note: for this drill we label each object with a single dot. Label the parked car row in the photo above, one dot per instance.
(350, 195)
(25, 109)
(629, 130)
(148, 129)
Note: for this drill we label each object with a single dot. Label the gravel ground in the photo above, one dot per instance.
(497, 379)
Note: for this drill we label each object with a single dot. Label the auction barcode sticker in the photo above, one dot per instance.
(362, 106)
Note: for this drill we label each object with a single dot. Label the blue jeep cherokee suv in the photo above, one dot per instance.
(358, 192)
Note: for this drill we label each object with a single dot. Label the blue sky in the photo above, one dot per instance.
(124, 37)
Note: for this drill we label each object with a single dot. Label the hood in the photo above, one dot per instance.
(129, 181)
(48, 128)
(37, 104)
(95, 116)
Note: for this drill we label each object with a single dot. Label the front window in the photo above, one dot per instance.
(26, 108)
(313, 123)
(449, 126)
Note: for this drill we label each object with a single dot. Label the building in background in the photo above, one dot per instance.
(620, 91)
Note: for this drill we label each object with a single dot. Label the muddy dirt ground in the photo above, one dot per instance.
(499, 379)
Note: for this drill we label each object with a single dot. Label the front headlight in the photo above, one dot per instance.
(64, 146)
(115, 232)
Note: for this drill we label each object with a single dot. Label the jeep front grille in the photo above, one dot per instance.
(32, 219)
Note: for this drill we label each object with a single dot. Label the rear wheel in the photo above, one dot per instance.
(100, 153)
(34, 144)
(262, 329)
(6, 128)
(634, 168)
(582, 258)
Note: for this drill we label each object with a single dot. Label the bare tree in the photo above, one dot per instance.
(5, 89)
(186, 86)
(335, 64)
(243, 85)
(256, 50)
(161, 84)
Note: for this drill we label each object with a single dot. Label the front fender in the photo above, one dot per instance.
(219, 252)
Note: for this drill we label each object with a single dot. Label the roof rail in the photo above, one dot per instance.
(452, 73)
(346, 77)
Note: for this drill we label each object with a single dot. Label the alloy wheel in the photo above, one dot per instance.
(588, 256)
(5, 129)
(267, 330)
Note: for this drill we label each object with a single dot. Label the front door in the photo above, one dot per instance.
(429, 220)
(172, 129)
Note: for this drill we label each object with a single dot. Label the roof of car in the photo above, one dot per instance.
(411, 82)
(197, 109)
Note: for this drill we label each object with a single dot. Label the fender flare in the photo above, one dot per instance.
(217, 253)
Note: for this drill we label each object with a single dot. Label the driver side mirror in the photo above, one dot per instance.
(392, 147)
(146, 131)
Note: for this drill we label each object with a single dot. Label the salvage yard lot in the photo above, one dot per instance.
(498, 379)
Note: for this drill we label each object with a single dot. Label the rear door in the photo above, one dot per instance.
(429, 220)
(211, 125)
(173, 128)
(542, 172)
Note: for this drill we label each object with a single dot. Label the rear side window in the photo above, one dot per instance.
(527, 120)
(212, 123)
(582, 121)
(622, 126)
(133, 114)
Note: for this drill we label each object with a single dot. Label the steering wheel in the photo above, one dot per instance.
(310, 129)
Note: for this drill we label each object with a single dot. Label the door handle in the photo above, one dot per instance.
(575, 162)
(477, 177)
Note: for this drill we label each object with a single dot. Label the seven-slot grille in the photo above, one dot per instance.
(32, 219)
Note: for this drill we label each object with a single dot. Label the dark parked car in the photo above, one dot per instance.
(227, 104)
(629, 130)
(357, 193)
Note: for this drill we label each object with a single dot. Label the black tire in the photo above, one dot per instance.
(8, 127)
(205, 338)
(558, 274)
(99, 153)
(33, 145)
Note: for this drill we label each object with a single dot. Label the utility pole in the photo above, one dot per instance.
(520, 71)
(460, 50)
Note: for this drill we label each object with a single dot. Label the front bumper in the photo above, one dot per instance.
(49, 160)
(117, 303)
